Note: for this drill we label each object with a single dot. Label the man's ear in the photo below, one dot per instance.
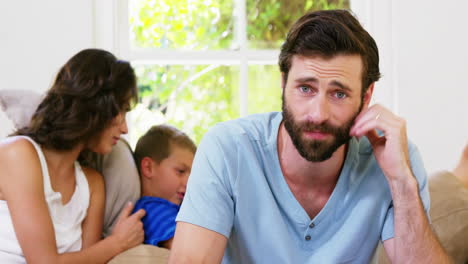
(368, 96)
(147, 167)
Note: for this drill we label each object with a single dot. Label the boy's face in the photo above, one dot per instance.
(171, 175)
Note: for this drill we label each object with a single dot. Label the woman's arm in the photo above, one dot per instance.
(93, 223)
(22, 188)
(127, 233)
(21, 185)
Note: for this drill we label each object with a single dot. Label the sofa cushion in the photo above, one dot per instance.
(449, 214)
(142, 254)
(121, 180)
(6, 127)
(19, 105)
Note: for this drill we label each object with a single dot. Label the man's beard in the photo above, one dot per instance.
(311, 149)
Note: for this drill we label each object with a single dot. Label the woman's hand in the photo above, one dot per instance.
(128, 230)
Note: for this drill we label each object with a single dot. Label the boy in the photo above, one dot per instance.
(164, 158)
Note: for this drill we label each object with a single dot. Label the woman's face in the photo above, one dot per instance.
(110, 135)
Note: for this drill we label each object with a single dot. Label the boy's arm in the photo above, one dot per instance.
(195, 244)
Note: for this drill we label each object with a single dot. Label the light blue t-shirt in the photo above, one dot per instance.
(237, 189)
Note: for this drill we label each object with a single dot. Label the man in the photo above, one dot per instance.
(321, 182)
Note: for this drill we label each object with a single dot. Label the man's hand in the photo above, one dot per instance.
(390, 149)
(413, 241)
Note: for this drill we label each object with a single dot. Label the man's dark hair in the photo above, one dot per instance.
(90, 90)
(157, 142)
(329, 33)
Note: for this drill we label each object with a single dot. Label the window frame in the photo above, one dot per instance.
(112, 33)
(243, 57)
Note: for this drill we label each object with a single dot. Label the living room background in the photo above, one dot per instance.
(422, 48)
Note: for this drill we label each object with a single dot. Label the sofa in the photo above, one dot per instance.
(449, 198)
(449, 216)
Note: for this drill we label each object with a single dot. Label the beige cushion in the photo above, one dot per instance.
(6, 125)
(118, 167)
(121, 179)
(142, 254)
(19, 105)
(449, 216)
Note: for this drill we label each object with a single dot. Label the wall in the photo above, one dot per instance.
(424, 61)
(423, 49)
(432, 54)
(37, 37)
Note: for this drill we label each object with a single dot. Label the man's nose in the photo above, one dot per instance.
(319, 110)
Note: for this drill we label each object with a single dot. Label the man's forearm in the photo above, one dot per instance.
(414, 240)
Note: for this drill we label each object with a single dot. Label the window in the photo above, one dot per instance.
(200, 62)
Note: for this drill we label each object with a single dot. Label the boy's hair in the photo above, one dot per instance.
(157, 141)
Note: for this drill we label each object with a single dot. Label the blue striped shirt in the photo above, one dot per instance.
(159, 222)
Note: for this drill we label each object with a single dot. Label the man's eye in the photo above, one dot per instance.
(305, 89)
(340, 95)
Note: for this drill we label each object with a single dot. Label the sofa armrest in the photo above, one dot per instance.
(449, 214)
(142, 254)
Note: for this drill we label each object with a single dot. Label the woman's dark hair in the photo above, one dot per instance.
(328, 33)
(89, 91)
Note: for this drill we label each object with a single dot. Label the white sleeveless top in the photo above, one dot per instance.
(67, 219)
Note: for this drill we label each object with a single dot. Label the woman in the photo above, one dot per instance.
(51, 208)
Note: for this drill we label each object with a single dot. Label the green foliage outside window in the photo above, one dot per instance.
(268, 21)
(192, 98)
(195, 97)
(182, 24)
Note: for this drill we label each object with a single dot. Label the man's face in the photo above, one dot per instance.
(321, 99)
